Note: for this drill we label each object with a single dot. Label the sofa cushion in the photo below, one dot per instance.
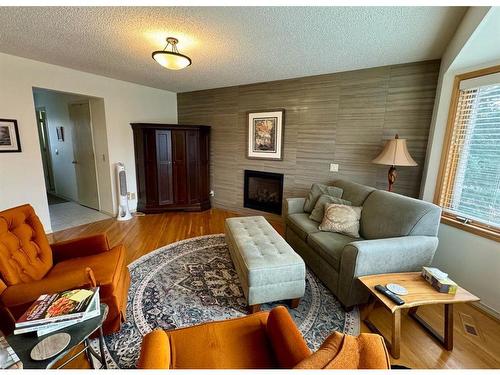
(302, 225)
(353, 192)
(317, 190)
(319, 209)
(329, 246)
(340, 218)
(388, 214)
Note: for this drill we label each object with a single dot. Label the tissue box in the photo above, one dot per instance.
(439, 280)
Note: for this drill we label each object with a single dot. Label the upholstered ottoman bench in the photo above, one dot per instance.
(268, 268)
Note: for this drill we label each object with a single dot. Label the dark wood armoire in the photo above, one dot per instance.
(172, 167)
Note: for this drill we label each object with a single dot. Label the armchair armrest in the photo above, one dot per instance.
(155, 351)
(288, 344)
(80, 247)
(20, 294)
(294, 206)
(397, 254)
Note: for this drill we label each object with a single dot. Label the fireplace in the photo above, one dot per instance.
(263, 191)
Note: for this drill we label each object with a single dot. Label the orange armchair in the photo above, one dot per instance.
(265, 340)
(29, 267)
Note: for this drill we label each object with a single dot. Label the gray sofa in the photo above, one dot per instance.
(398, 234)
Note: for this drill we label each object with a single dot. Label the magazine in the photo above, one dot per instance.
(63, 306)
(93, 311)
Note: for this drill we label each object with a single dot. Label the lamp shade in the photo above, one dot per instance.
(395, 152)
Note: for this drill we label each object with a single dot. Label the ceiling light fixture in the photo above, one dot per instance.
(171, 58)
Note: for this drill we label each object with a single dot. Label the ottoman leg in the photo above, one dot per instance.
(294, 303)
(253, 308)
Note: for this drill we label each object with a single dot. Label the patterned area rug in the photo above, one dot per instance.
(194, 281)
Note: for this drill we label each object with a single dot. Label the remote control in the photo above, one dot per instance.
(386, 292)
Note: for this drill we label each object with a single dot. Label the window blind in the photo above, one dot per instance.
(471, 180)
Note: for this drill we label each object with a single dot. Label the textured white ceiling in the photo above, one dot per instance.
(228, 45)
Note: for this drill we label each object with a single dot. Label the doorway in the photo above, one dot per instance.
(66, 137)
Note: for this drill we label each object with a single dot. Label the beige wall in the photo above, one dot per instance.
(341, 118)
(470, 260)
(21, 174)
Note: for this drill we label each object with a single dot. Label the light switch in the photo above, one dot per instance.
(334, 167)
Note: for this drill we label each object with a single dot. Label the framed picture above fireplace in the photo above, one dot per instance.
(265, 134)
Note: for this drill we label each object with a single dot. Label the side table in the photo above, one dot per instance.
(420, 293)
(80, 333)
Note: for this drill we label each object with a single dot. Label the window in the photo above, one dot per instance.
(469, 190)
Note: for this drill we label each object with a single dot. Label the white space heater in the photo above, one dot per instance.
(121, 178)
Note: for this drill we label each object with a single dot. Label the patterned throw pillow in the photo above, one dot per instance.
(342, 219)
(317, 190)
(319, 209)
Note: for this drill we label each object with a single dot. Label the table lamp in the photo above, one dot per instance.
(395, 153)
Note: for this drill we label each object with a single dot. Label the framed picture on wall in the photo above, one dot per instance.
(265, 135)
(9, 136)
(60, 133)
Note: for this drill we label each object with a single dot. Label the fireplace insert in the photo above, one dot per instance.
(263, 191)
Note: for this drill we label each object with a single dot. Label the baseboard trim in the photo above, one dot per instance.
(486, 310)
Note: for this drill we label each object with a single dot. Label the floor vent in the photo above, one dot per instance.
(469, 325)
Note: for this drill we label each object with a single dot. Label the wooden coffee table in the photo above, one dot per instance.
(419, 293)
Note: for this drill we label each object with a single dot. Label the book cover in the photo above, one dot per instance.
(51, 308)
(93, 311)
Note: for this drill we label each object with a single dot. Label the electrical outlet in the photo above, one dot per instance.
(130, 196)
(212, 193)
(334, 167)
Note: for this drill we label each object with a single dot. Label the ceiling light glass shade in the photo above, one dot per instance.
(171, 59)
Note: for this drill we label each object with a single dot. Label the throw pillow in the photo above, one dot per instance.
(319, 209)
(317, 190)
(342, 219)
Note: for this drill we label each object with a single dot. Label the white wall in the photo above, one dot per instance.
(61, 153)
(472, 261)
(21, 174)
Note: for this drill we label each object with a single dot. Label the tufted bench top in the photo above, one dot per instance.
(261, 253)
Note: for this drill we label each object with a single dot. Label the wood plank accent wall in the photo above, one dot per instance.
(342, 118)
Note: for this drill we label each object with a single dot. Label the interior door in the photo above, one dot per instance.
(179, 166)
(84, 159)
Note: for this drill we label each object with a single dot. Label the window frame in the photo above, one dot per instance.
(476, 228)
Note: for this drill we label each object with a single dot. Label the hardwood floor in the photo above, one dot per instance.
(418, 350)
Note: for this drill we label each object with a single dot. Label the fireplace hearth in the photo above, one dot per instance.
(263, 191)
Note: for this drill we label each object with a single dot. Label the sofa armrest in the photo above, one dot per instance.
(397, 254)
(388, 255)
(155, 351)
(80, 247)
(294, 206)
(288, 343)
(20, 294)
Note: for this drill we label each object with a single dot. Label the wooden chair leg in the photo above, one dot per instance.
(294, 303)
(253, 309)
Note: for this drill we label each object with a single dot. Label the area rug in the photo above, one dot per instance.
(194, 281)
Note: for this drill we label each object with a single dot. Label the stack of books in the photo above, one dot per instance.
(439, 280)
(52, 312)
